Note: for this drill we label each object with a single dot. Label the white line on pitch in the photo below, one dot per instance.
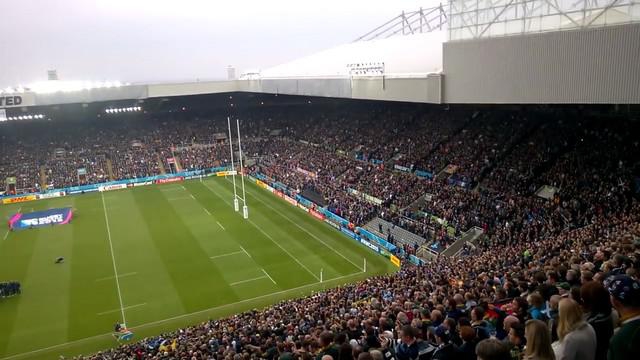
(220, 225)
(113, 259)
(183, 188)
(113, 276)
(269, 276)
(182, 316)
(285, 250)
(126, 307)
(171, 189)
(192, 196)
(246, 281)
(207, 211)
(245, 251)
(307, 231)
(267, 235)
(229, 254)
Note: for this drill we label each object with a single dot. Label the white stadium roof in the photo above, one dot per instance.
(401, 55)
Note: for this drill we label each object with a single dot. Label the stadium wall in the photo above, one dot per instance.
(129, 92)
(196, 88)
(600, 65)
(327, 87)
(413, 89)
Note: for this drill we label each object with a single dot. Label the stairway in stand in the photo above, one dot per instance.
(110, 170)
(43, 177)
(161, 165)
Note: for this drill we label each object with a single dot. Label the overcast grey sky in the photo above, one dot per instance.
(159, 40)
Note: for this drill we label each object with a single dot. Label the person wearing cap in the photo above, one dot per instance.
(563, 288)
(445, 349)
(625, 297)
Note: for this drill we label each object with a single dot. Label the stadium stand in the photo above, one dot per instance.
(484, 169)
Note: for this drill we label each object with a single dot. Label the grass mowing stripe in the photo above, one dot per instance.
(42, 315)
(311, 253)
(303, 229)
(89, 261)
(277, 294)
(375, 262)
(267, 235)
(156, 286)
(320, 227)
(186, 261)
(113, 259)
(283, 249)
(153, 284)
(16, 255)
(263, 253)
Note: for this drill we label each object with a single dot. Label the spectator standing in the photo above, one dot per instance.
(538, 341)
(492, 349)
(577, 337)
(625, 296)
(597, 308)
(467, 351)
(516, 341)
(446, 350)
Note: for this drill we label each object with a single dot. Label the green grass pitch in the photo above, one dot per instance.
(182, 256)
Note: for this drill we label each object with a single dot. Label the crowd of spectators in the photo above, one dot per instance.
(347, 155)
(540, 264)
(560, 297)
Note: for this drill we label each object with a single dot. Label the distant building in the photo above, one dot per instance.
(231, 73)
